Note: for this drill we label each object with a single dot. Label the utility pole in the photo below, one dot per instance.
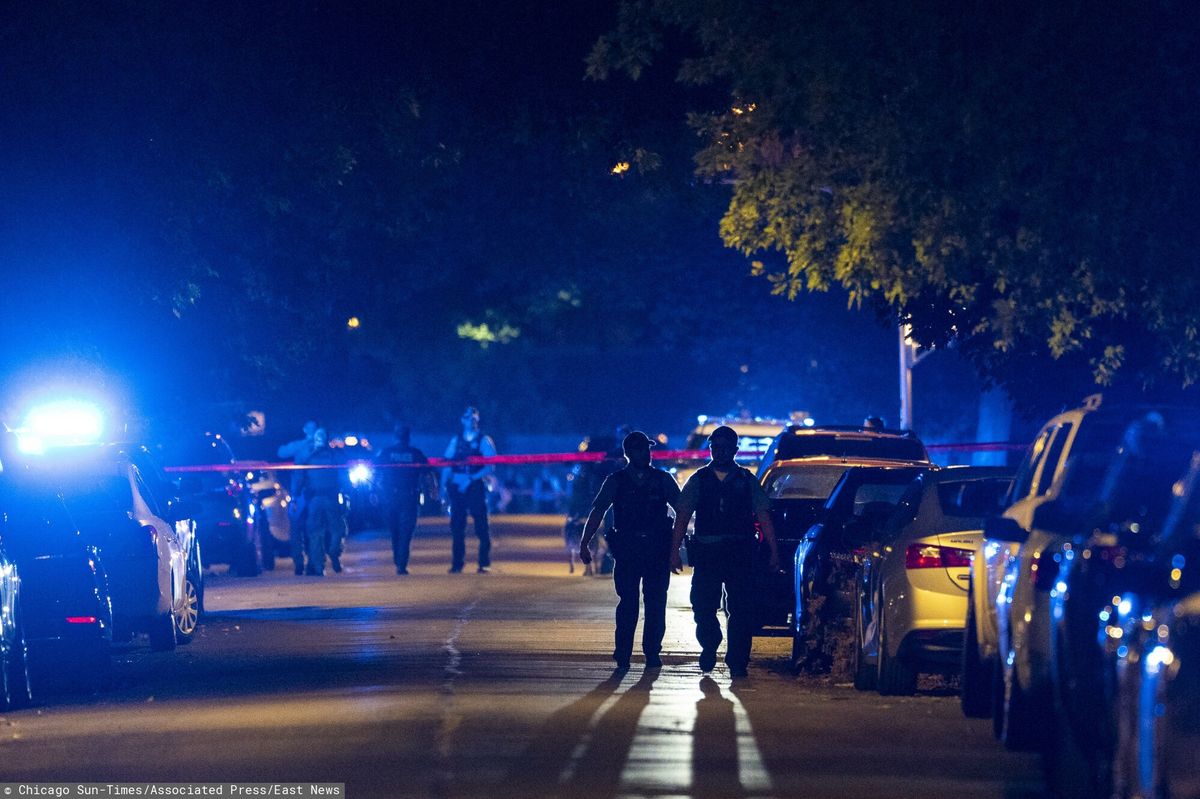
(909, 357)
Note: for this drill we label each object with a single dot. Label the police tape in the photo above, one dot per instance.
(533, 459)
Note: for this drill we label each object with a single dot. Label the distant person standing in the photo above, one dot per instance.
(641, 498)
(325, 526)
(299, 451)
(727, 501)
(466, 489)
(547, 492)
(402, 479)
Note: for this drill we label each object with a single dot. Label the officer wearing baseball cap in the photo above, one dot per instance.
(641, 497)
(727, 501)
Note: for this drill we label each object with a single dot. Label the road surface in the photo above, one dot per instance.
(496, 685)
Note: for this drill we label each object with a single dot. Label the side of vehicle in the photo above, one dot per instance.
(1158, 701)
(912, 599)
(154, 566)
(1006, 566)
(15, 688)
(827, 560)
(65, 609)
(220, 501)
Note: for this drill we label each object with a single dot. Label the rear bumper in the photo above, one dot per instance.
(941, 647)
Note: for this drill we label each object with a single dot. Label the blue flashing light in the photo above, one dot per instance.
(58, 424)
(360, 474)
(809, 421)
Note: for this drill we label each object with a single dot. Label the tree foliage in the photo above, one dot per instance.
(1016, 178)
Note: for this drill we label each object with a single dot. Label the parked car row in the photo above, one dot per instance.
(96, 547)
(1081, 638)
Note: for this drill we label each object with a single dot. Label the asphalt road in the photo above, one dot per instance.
(496, 685)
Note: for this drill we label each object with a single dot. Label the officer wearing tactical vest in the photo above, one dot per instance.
(641, 497)
(727, 501)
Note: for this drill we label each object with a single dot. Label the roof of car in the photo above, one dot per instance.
(830, 460)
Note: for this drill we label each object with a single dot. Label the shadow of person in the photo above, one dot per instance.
(715, 746)
(561, 750)
(597, 771)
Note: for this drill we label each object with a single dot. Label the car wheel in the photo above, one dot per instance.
(188, 615)
(976, 698)
(15, 691)
(162, 633)
(894, 676)
(864, 672)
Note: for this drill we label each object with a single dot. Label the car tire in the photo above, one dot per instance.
(188, 616)
(976, 697)
(16, 689)
(895, 677)
(162, 633)
(865, 676)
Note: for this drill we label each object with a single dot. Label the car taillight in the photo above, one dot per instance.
(931, 556)
(81, 619)
(1044, 570)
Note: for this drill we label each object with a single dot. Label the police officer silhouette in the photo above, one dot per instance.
(641, 497)
(727, 501)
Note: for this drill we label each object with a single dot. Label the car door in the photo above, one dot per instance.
(172, 557)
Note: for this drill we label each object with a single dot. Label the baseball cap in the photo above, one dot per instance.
(636, 440)
(723, 433)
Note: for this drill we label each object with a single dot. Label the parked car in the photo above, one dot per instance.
(755, 435)
(798, 490)
(15, 688)
(1068, 473)
(223, 502)
(1152, 636)
(844, 442)
(912, 591)
(65, 612)
(148, 544)
(1006, 675)
(827, 559)
(1114, 542)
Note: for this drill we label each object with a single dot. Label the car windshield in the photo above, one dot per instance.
(92, 496)
(883, 448)
(804, 482)
(973, 498)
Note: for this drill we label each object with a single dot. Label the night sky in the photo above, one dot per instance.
(196, 197)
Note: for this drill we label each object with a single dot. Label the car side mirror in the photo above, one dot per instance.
(1002, 528)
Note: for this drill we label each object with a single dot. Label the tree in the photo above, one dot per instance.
(1016, 179)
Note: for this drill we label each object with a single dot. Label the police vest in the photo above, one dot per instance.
(724, 508)
(640, 509)
(464, 449)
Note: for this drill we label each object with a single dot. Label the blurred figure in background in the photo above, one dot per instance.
(873, 423)
(547, 492)
(325, 525)
(402, 480)
(583, 484)
(299, 451)
(465, 488)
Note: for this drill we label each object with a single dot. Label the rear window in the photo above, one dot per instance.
(975, 498)
(34, 522)
(807, 482)
(871, 497)
(802, 446)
